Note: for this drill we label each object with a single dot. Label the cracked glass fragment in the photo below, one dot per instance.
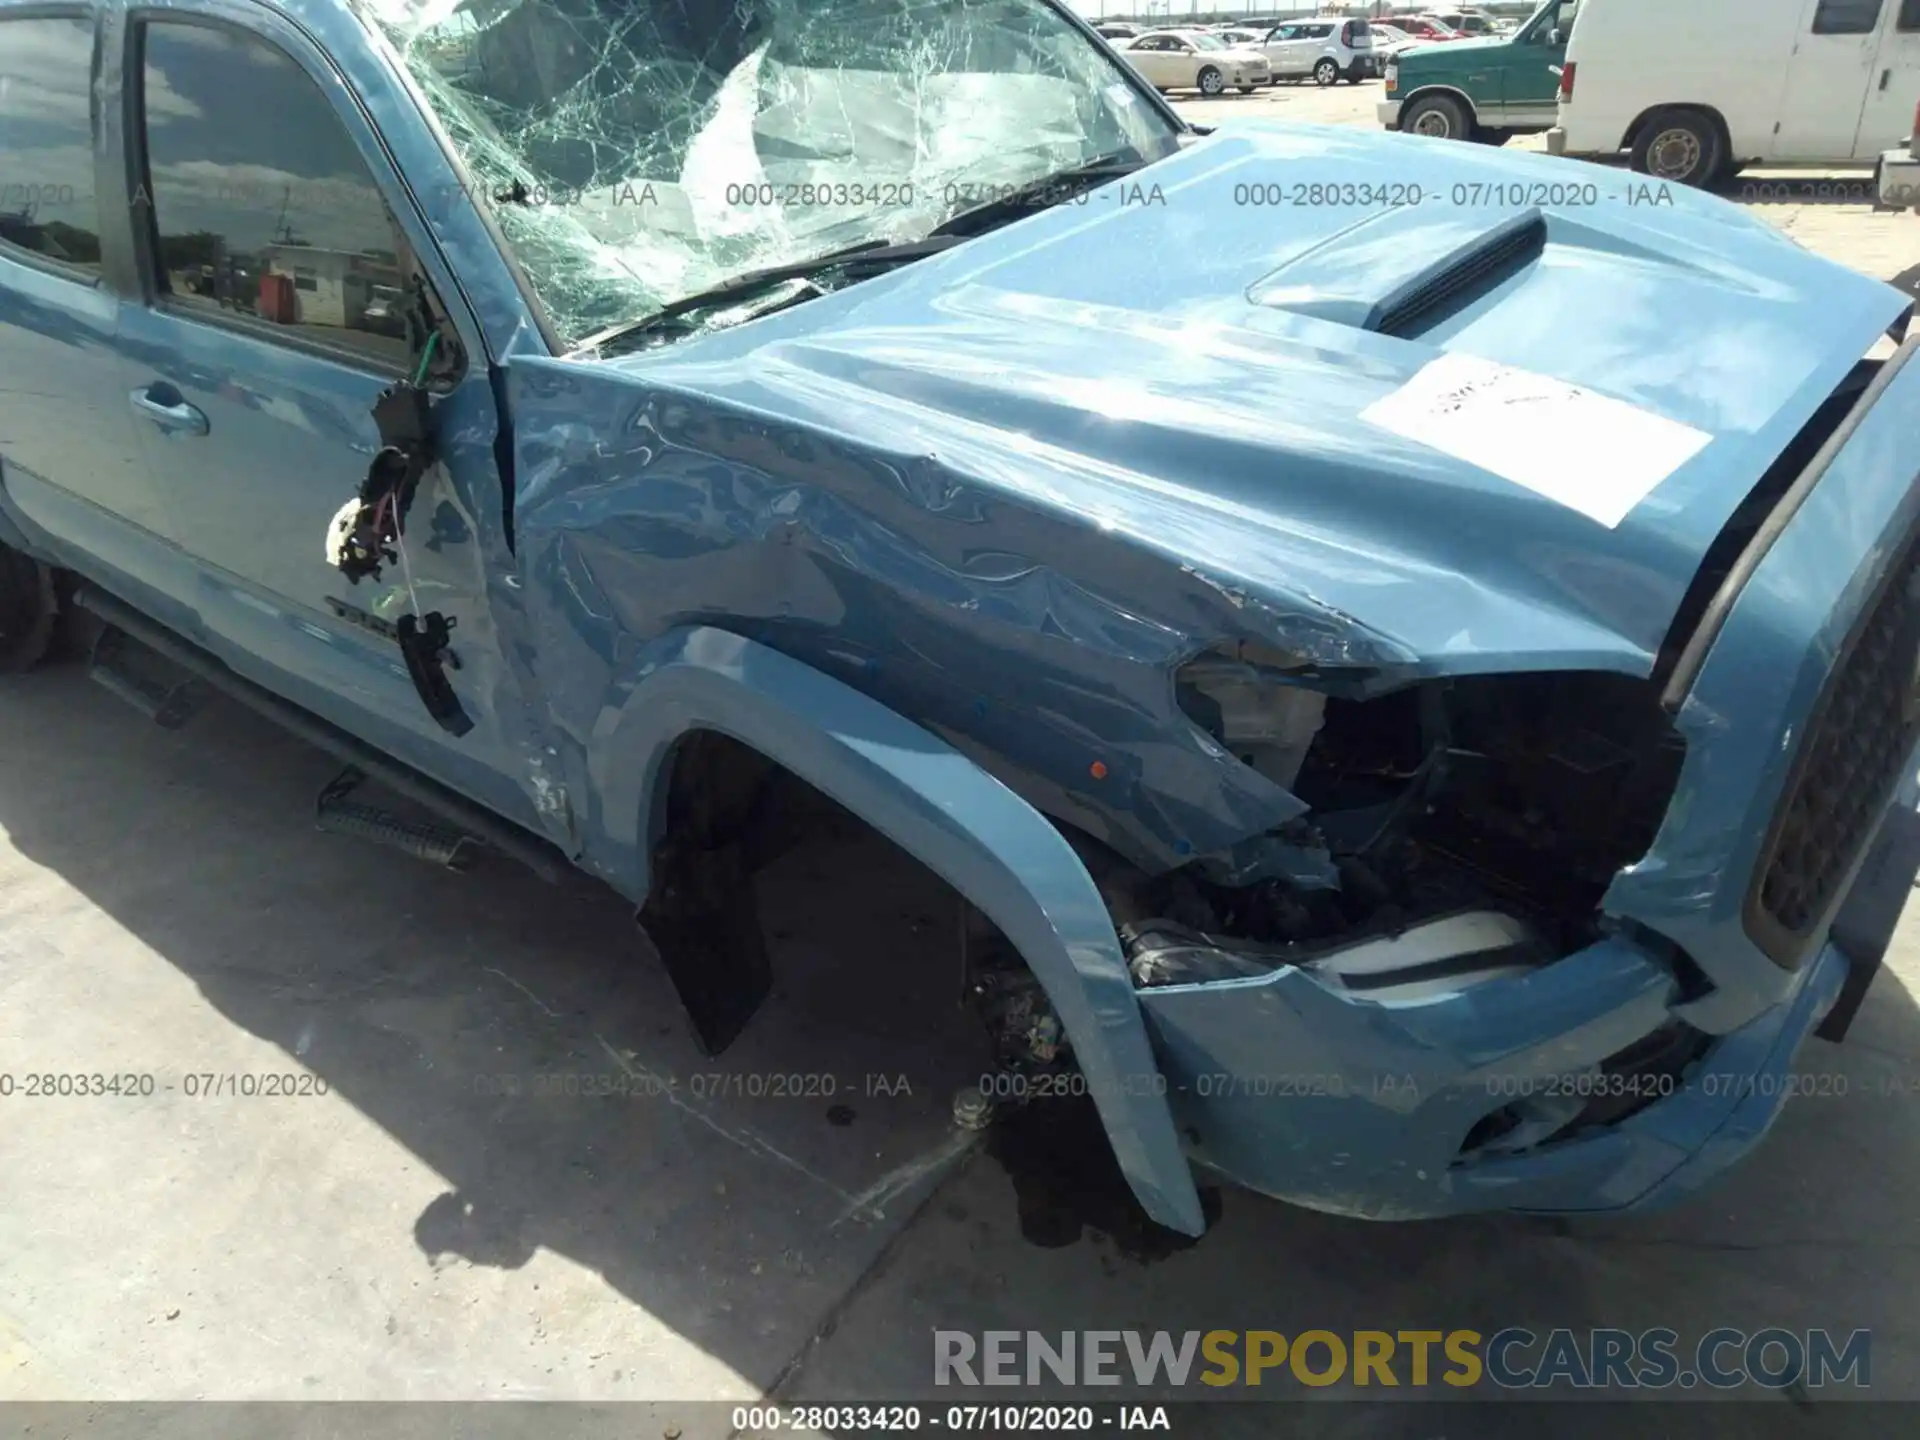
(637, 152)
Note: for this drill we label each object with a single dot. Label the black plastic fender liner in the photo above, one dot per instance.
(702, 918)
(28, 609)
(11, 535)
(537, 854)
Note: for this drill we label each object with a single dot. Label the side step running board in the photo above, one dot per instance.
(535, 852)
(164, 692)
(422, 839)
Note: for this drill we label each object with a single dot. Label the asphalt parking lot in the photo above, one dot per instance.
(445, 1223)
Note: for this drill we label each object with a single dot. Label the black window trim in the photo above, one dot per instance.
(95, 278)
(1879, 19)
(146, 236)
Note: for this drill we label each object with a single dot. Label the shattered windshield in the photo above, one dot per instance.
(637, 152)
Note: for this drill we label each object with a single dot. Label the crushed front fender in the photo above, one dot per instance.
(935, 803)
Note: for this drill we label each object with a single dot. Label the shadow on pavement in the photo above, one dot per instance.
(767, 1230)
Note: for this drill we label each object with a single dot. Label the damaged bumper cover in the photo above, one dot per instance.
(1290, 1085)
(1439, 1071)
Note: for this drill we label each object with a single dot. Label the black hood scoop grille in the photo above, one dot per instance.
(1401, 273)
(1461, 279)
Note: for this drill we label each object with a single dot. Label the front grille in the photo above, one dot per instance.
(1847, 768)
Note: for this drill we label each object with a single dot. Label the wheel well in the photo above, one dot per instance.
(1712, 115)
(868, 975)
(726, 814)
(1473, 116)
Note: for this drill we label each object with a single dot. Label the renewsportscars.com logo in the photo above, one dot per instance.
(1513, 1358)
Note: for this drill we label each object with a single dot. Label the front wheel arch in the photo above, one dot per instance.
(973, 832)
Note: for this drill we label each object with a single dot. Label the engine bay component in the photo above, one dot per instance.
(1433, 957)
(1458, 830)
(1253, 710)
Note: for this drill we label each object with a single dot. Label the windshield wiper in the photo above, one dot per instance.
(1038, 194)
(962, 225)
(869, 252)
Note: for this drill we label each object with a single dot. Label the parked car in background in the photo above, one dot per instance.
(1898, 179)
(1195, 60)
(1426, 28)
(1488, 89)
(1388, 40)
(1327, 48)
(1466, 22)
(1792, 82)
(1116, 30)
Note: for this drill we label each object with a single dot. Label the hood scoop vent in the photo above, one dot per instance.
(1383, 275)
(1462, 278)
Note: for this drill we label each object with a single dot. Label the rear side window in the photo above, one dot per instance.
(263, 211)
(1846, 17)
(1909, 16)
(47, 202)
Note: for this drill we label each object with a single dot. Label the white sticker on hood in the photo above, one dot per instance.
(1587, 451)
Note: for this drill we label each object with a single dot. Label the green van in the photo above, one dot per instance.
(1482, 89)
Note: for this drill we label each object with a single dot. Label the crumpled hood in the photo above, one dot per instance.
(1188, 359)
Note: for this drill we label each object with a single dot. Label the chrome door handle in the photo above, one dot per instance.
(177, 418)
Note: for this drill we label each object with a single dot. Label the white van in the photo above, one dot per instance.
(1693, 90)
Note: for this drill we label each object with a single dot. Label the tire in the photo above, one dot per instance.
(1681, 147)
(1326, 73)
(1438, 117)
(27, 611)
(1211, 81)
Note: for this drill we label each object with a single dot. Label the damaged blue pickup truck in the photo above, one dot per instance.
(1418, 690)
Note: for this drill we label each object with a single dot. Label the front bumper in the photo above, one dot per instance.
(1486, 1098)
(1388, 112)
(1377, 1119)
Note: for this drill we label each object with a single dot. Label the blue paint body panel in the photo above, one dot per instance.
(938, 541)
